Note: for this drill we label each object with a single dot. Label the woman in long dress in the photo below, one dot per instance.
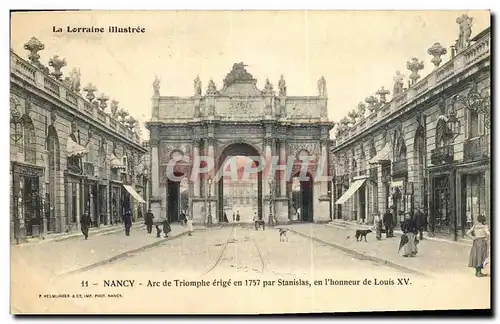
(189, 224)
(377, 225)
(409, 229)
(479, 251)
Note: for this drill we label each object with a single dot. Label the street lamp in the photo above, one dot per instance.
(271, 194)
(330, 203)
(209, 215)
(16, 122)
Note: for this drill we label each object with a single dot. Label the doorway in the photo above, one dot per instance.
(173, 200)
(306, 200)
(362, 203)
(31, 204)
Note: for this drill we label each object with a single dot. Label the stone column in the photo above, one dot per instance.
(156, 199)
(211, 155)
(196, 177)
(382, 199)
(282, 177)
(323, 164)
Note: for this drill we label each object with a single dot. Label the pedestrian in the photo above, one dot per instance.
(234, 217)
(189, 224)
(85, 223)
(183, 218)
(139, 211)
(158, 231)
(225, 218)
(127, 221)
(148, 220)
(377, 224)
(408, 239)
(421, 222)
(238, 216)
(166, 227)
(480, 235)
(388, 224)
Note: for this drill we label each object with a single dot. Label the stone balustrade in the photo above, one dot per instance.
(461, 62)
(36, 77)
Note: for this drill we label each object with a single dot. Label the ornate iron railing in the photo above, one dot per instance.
(400, 167)
(442, 155)
(477, 149)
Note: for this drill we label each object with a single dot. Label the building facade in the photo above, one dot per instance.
(428, 147)
(237, 120)
(68, 153)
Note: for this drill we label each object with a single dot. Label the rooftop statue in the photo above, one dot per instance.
(282, 87)
(465, 23)
(238, 73)
(156, 86)
(197, 86)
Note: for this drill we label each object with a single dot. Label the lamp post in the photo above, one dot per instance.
(271, 198)
(330, 203)
(209, 214)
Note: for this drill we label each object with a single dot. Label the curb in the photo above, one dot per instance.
(123, 255)
(426, 237)
(364, 257)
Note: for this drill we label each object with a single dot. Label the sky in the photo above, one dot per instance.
(356, 51)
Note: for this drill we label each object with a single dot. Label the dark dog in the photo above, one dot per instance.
(360, 233)
(283, 234)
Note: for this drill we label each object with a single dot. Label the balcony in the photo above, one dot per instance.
(400, 168)
(442, 155)
(477, 149)
(88, 169)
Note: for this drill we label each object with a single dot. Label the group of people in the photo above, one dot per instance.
(413, 225)
(86, 223)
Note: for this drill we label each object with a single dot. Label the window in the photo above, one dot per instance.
(476, 124)
(475, 199)
(29, 140)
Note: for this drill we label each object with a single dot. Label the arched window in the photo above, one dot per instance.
(53, 149)
(400, 150)
(373, 150)
(54, 164)
(362, 159)
(442, 132)
(29, 140)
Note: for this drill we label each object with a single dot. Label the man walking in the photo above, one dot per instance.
(420, 222)
(85, 223)
(127, 221)
(388, 224)
(148, 220)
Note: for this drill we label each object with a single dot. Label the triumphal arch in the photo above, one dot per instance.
(239, 120)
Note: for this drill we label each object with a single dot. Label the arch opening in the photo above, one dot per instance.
(239, 194)
(302, 197)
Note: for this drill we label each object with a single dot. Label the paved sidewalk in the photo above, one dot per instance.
(65, 256)
(433, 258)
(94, 231)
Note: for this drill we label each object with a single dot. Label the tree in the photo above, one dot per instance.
(296, 200)
(185, 201)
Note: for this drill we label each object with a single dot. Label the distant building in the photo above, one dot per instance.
(428, 147)
(68, 153)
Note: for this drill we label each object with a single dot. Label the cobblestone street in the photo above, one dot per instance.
(255, 258)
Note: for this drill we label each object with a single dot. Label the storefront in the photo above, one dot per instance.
(28, 201)
(472, 198)
(356, 191)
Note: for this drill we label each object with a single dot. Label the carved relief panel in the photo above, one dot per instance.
(167, 150)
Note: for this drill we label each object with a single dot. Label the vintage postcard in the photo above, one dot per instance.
(249, 162)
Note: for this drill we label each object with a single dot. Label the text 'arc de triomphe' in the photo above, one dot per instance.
(239, 119)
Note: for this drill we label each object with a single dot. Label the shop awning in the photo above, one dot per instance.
(134, 194)
(382, 155)
(116, 163)
(75, 149)
(352, 189)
